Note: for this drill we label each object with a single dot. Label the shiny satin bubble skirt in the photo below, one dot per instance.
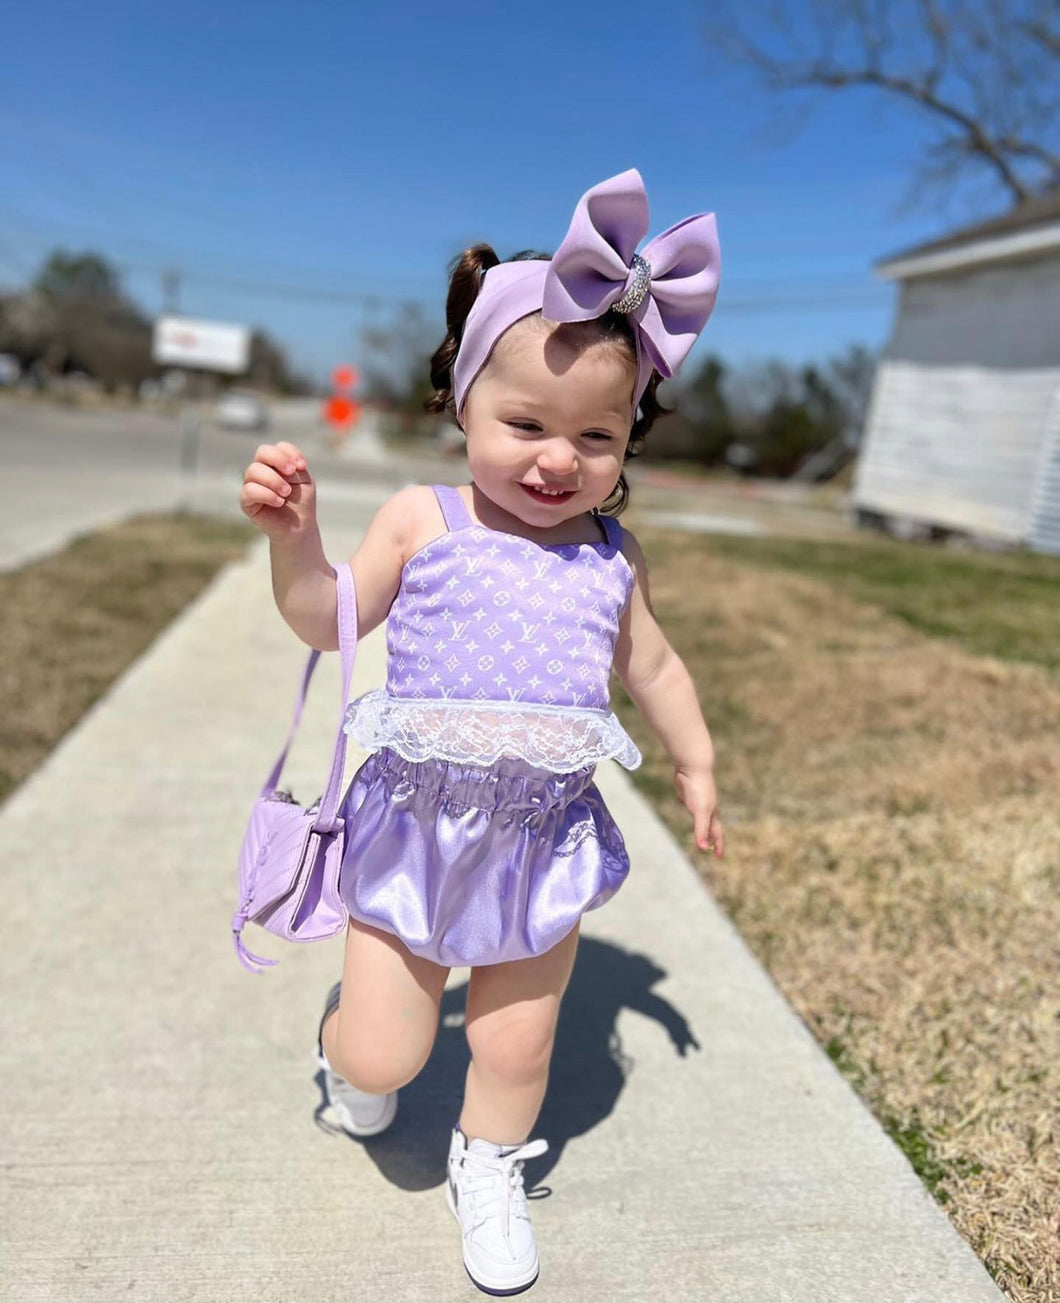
(472, 864)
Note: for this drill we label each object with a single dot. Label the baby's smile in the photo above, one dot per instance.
(543, 494)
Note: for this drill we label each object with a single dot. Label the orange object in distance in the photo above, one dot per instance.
(344, 377)
(341, 411)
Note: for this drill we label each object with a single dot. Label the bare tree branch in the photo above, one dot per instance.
(1024, 149)
(938, 34)
(1048, 38)
(984, 74)
(976, 138)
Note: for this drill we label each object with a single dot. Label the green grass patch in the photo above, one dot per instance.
(1004, 604)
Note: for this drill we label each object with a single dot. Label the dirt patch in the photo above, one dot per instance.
(73, 621)
(893, 859)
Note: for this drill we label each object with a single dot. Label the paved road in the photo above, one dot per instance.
(78, 469)
(161, 1131)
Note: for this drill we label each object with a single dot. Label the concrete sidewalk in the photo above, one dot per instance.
(158, 1135)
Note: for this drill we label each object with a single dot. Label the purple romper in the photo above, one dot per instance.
(474, 830)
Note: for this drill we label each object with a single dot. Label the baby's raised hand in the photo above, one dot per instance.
(278, 493)
(696, 789)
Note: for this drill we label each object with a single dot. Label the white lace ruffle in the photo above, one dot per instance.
(559, 738)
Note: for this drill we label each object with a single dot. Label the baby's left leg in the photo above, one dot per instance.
(510, 1021)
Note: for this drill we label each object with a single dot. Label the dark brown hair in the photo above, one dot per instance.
(465, 278)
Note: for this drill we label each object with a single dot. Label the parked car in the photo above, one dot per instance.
(239, 410)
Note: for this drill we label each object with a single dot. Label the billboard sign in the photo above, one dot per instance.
(210, 345)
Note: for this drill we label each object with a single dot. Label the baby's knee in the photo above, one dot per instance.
(377, 1069)
(517, 1050)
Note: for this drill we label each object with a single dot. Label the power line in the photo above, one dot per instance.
(174, 253)
(844, 296)
(861, 299)
(273, 289)
(32, 231)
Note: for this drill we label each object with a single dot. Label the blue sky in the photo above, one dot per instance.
(357, 148)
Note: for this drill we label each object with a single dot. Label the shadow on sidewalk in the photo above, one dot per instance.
(589, 1069)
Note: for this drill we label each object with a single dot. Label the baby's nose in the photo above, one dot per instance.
(558, 461)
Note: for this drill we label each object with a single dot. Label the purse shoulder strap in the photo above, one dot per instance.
(347, 622)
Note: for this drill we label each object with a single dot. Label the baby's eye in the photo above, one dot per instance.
(534, 429)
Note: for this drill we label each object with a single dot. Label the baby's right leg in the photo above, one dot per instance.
(383, 1031)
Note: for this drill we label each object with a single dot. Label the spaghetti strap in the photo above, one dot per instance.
(452, 505)
(612, 529)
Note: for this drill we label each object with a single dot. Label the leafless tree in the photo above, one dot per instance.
(395, 361)
(984, 73)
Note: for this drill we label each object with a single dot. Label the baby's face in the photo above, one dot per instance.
(545, 413)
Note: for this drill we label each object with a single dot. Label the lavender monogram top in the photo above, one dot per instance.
(500, 646)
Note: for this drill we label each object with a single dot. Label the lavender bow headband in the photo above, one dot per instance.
(668, 291)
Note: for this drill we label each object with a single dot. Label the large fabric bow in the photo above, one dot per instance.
(667, 292)
(596, 266)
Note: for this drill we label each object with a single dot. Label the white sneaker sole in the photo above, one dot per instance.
(485, 1283)
(349, 1124)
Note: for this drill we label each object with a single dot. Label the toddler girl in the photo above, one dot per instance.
(475, 835)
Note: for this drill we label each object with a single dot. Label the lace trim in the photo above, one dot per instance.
(558, 738)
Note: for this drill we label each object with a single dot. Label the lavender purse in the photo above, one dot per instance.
(290, 857)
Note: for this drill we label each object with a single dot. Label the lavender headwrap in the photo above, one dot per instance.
(668, 291)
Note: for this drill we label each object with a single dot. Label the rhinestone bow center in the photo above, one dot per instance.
(634, 296)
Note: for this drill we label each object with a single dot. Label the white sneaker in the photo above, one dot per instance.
(485, 1194)
(357, 1112)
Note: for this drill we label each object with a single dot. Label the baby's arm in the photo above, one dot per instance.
(660, 686)
(304, 584)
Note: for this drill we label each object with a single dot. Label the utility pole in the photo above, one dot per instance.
(171, 290)
(368, 307)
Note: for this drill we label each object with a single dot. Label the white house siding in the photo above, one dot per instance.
(958, 446)
(1006, 315)
(1045, 507)
(958, 427)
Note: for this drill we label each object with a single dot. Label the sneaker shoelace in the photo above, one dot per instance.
(496, 1184)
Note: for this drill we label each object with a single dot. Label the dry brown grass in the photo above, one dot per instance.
(893, 858)
(71, 622)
